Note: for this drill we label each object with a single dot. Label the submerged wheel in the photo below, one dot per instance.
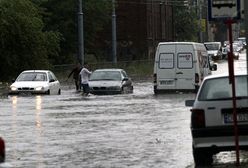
(48, 92)
(202, 157)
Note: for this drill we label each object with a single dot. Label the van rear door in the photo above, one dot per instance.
(184, 68)
(166, 67)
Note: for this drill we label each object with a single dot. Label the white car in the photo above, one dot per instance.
(214, 50)
(212, 126)
(35, 82)
(110, 81)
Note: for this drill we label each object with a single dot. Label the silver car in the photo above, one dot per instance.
(212, 123)
(110, 81)
(35, 82)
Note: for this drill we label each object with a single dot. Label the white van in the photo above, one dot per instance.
(180, 66)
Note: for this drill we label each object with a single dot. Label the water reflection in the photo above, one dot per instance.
(39, 131)
(14, 102)
(38, 102)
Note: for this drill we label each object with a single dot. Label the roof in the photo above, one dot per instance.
(225, 74)
(109, 69)
(36, 71)
(179, 42)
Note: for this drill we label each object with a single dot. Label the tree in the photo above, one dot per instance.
(186, 24)
(24, 44)
(62, 16)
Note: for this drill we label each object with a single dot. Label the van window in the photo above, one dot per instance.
(166, 60)
(185, 60)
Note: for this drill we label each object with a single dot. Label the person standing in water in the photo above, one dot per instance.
(85, 74)
(75, 71)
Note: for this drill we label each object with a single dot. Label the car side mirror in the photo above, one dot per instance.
(13, 80)
(51, 80)
(213, 67)
(125, 79)
(189, 103)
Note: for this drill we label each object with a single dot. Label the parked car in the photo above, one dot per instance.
(110, 81)
(35, 82)
(212, 116)
(243, 39)
(214, 50)
(236, 51)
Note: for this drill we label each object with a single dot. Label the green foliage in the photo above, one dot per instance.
(62, 16)
(186, 24)
(24, 45)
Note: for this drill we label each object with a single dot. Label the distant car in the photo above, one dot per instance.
(243, 39)
(110, 81)
(236, 51)
(214, 50)
(212, 116)
(35, 82)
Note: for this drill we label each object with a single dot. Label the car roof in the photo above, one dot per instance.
(225, 74)
(45, 71)
(214, 42)
(109, 69)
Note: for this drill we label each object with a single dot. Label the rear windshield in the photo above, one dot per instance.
(212, 46)
(220, 89)
(105, 75)
(32, 76)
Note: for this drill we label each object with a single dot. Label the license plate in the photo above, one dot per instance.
(166, 82)
(241, 117)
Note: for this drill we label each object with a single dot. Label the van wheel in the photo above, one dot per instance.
(202, 157)
(155, 91)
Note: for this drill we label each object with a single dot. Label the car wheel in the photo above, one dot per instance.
(48, 92)
(155, 91)
(202, 157)
(59, 92)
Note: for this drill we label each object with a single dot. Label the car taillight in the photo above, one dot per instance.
(197, 118)
(154, 78)
(197, 79)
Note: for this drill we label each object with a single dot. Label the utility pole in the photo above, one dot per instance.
(80, 33)
(114, 52)
(200, 20)
(246, 30)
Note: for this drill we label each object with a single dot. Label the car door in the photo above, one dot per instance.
(52, 83)
(184, 68)
(166, 78)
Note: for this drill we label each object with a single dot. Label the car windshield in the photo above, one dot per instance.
(105, 75)
(220, 89)
(32, 76)
(212, 46)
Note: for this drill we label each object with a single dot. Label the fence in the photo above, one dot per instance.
(137, 70)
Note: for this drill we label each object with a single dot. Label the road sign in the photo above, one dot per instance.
(224, 10)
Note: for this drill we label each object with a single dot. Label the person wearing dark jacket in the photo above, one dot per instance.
(75, 71)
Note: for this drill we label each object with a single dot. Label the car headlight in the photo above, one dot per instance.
(13, 88)
(39, 88)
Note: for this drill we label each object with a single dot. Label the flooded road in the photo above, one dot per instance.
(136, 130)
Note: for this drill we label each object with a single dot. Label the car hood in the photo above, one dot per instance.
(212, 51)
(29, 84)
(104, 83)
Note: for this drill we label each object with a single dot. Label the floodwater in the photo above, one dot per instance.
(139, 130)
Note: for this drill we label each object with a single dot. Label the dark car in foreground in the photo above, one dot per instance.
(212, 126)
(110, 81)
